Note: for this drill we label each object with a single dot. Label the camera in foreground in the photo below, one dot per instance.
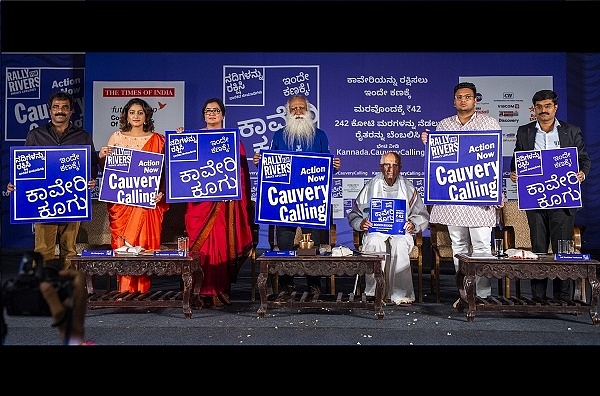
(22, 296)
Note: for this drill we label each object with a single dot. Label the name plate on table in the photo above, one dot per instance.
(572, 257)
(169, 253)
(280, 253)
(99, 253)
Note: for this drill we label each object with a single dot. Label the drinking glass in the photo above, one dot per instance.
(499, 247)
(565, 246)
(182, 244)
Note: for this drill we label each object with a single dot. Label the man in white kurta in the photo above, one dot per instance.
(468, 224)
(389, 184)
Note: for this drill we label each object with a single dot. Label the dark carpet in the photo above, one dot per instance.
(424, 324)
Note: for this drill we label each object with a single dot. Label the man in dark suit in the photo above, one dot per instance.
(549, 225)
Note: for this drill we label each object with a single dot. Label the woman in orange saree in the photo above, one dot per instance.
(140, 226)
(220, 230)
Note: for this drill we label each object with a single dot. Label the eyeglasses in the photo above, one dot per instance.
(295, 109)
(215, 111)
(465, 97)
(387, 166)
(547, 106)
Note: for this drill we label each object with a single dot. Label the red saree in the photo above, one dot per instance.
(140, 226)
(221, 232)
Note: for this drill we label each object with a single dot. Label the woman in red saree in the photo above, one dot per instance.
(220, 230)
(140, 226)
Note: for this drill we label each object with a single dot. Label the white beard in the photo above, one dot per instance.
(299, 131)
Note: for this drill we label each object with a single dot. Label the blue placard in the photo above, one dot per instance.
(100, 253)
(572, 257)
(388, 215)
(203, 165)
(294, 188)
(51, 183)
(279, 253)
(131, 177)
(169, 253)
(548, 178)
(463, 167)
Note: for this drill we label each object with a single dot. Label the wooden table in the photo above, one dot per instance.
(321, 266)
(188, 267)
(544, 267)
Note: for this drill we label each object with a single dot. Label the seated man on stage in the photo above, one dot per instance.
(397, 271)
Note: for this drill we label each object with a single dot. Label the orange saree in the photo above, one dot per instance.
(221, 232)
(140, 226)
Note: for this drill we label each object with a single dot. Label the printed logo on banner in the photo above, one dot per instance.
(119, 160)
(183, 147)
(338, 189)
(51, 183)
(548, 178)
(348, 202)
(244, 85)
(203, 165)
(443, 148)
(529, 163)
(276, 168)
(30, 166)
(22, 83)
(294, 188)
(419, 184)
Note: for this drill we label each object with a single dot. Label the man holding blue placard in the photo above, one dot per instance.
(390, 184)
(299, 134)
(547, 226)
(466, 223)
(60, 131)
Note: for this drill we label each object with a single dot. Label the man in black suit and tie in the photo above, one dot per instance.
(549, 225)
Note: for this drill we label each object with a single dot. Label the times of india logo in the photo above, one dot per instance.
(22, 80)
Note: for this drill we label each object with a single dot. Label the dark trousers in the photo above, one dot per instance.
(285, 241)
(546, 227)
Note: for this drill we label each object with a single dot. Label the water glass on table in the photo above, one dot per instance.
(182, 245)
(499, 247)
(565, 246)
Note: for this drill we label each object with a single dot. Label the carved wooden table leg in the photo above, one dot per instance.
(460, 285)
(379, 287)
(186, 276)
(469, 283)
(465, 281)
(261, 281)
(595, 291)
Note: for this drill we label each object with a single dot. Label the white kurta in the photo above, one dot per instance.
(469, 222)
(466, 215)
(396, 267)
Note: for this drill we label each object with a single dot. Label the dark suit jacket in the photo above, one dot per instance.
(569, 136)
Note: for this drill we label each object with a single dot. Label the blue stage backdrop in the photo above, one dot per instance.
(367, 103)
